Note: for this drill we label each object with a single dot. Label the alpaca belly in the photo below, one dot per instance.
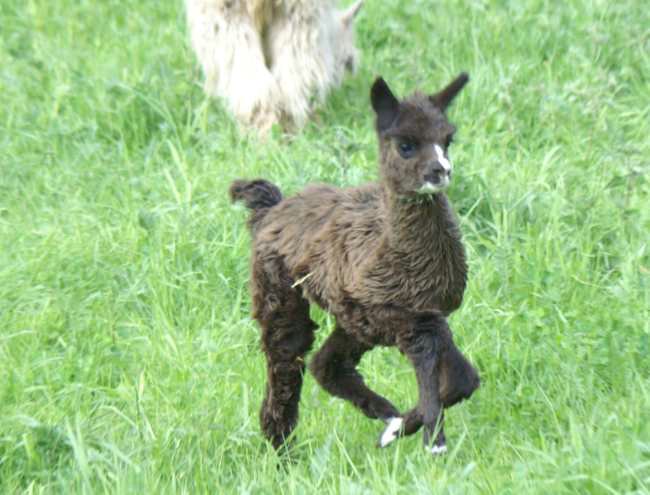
(371, 326)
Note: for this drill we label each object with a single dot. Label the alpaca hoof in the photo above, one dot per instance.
(391, 432)
(437, 450)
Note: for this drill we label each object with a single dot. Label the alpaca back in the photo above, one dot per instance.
(324, 233)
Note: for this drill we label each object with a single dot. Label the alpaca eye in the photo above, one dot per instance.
(407, 149)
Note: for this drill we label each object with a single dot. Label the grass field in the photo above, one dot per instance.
(128, 359)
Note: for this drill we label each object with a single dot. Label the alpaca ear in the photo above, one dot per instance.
(384, 104)
(348, 15)
(443, 98)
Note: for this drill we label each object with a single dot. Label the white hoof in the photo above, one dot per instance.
(438, 449)
(390, 433)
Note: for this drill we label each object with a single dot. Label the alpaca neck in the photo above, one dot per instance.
(425, 244)
(419, 225)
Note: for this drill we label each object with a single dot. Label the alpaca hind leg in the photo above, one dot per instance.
(285, 370)
(287, 336)
(334, 367)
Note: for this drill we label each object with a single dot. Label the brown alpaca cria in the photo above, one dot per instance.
(385, 259)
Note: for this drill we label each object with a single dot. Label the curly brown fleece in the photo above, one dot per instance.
(385, 259)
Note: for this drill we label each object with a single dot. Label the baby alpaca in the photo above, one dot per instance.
(385, 259)
(270, 58)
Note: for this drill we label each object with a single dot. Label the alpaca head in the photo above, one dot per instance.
(346, 56)
(414, 138)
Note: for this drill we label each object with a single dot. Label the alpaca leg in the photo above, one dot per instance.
(334, 367)
(287, 336)
(229, 48)
(301, 47)
(457, 380)
(285, 345)
(423, 347)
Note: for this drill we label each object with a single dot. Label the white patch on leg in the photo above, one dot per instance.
(438, 449)
(442, 159)
(391, 431)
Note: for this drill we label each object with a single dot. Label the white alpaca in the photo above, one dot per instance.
(272, 59)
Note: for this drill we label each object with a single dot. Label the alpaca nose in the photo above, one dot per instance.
(434, 173)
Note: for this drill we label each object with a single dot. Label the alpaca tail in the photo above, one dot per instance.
(259, 195)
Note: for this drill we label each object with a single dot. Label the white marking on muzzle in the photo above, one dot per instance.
(430, 188)
(442, 159)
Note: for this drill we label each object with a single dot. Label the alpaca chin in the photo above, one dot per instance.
(429, 188)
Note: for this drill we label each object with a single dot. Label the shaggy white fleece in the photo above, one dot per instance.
(271, 60)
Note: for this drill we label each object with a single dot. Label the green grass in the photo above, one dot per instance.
(128, 359)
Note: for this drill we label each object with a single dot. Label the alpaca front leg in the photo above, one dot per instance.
(335, 368)
(422, 346)
(457, 381)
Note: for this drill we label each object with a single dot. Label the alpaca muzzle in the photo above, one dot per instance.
(436, 178)
(436, 174)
